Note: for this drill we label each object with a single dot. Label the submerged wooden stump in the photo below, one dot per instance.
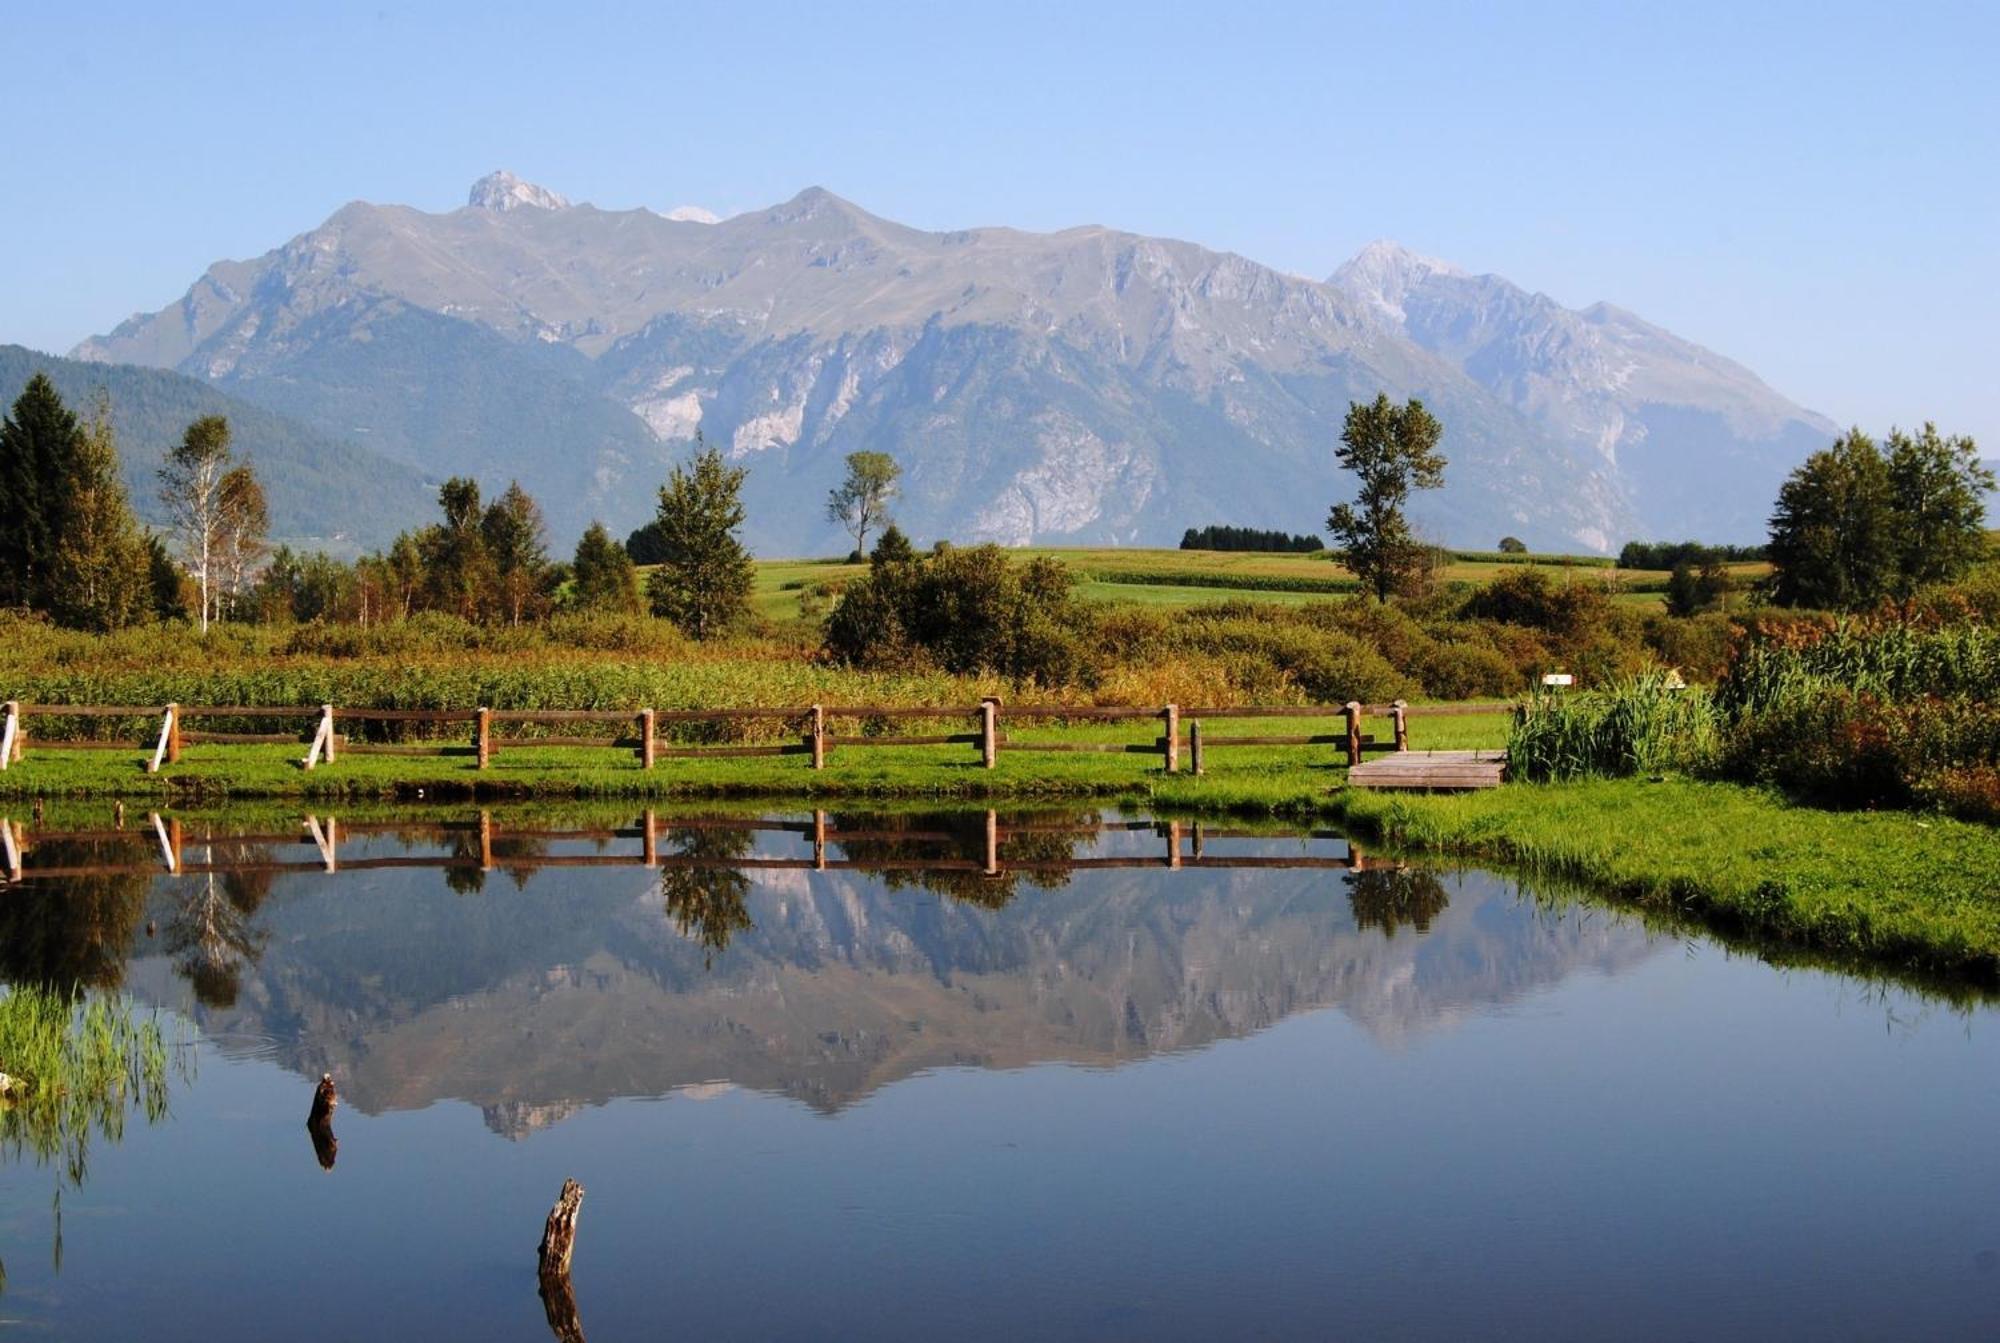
(319, 1122)
(558, 1243)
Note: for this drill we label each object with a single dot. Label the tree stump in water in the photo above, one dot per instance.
(558, 1242)
(319, 1122)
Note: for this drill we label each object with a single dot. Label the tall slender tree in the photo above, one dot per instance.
(703, 581)
(38, 444)
(457, 571)
(517, 546)
(191, 489)
(99, 579)
(861, 502)
(1393, 450)
(243, 522)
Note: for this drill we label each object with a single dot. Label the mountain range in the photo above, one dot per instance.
(1088, 385)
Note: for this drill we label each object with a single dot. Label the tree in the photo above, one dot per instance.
(1691, 591)
(99, 577)
(38, 441)
(861, 503)
(457, 571)
(1513, 545)
(1832, 543)
(1937, 489)
(166, 585)
(517, 546)
(1393, 450)
(602, 577)
(242, 523)
(703, 581)
(892, 547)
(191, 489)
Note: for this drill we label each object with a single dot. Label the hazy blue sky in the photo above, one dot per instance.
(1811, 189)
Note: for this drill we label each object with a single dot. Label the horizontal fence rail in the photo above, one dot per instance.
(493, 731)
(480, 844)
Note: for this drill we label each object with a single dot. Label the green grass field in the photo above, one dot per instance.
(1180, 578)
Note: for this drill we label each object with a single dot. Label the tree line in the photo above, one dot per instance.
(72, 547)
(1220, 536)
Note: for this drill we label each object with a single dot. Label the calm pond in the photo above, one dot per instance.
(1029, 1076)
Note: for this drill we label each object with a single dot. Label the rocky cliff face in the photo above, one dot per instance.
(1086, 385)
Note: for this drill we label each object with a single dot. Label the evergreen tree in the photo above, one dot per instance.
(38, 444)
(99, 579)
(1832, 539)
(892, 547)
(1937, 488)
(517, 547)
(703, 581)
(166, 587)
(602, 576)
(1393, 449)
(457, 572)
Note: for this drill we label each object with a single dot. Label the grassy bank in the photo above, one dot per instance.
(1901, 889)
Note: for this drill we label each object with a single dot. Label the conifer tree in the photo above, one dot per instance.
(99, 579)
(703, 582)
(38, 444)
(602, 576)
(517, 547)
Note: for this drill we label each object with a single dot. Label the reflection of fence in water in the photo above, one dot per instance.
(482, 845)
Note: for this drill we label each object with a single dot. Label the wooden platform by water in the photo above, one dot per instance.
(1435, 771)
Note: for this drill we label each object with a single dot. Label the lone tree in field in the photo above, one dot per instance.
(191, 489)
(1393, 449)
(703, 581)
(861, 503)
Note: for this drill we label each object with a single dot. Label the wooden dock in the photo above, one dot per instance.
(1432, 771)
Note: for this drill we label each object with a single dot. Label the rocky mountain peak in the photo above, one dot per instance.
(1384, 272)
(503, 191)
(692, 214)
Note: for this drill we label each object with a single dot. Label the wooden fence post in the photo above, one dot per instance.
(992, 843)
(485, 837)
(819, 841)
(1172, 713)
(1401, 711)
(1174, 845)
(10, 734)
(650, 844)
(1194, 745)
(816, 730)
(1198, 837)
(326, 721)
(483, 742)
(1353, 733)
(989, 740)
(646, 748)
(174, 735)
(164, 751)
(10, 839)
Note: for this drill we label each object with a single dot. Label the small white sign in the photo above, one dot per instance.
(1558, 678)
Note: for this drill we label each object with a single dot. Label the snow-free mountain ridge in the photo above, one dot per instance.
(1088, 385)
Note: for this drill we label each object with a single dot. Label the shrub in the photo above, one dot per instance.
(1639, 726)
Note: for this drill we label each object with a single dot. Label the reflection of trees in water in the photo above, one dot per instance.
(517, 855)
(70, 932)
(1387, 898)
(968, 841)
(707, 904)
(210, 933)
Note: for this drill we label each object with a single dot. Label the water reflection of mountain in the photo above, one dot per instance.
(536, 997)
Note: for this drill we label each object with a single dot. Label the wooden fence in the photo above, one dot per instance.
(473, 841)
(818, 727)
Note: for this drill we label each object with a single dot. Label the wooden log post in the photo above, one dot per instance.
(10, 735)
(174, 734)
(648, 745)
(1353, 733)
(482, 741)
(649, 843)
(10, 840)
(989, 734)
(485, 840)
(816, 735)
(1194, 746)
(992, 843)
(819, 841)
(553, 1261)
(165, 751)
(332, 733)
(1171, 747)
(1174, 845)
(1198, 837)
(1400, 710)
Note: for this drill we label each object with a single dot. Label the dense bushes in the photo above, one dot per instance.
(1645, 725)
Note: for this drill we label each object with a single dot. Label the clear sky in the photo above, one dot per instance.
(1812, 189)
